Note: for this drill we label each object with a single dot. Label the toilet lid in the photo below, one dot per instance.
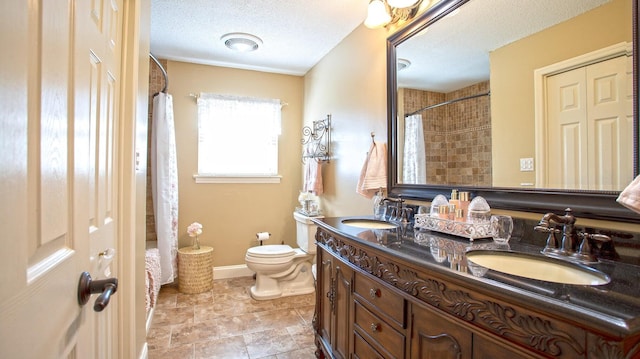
(271, 251)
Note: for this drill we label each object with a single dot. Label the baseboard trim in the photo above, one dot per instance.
(234, 271)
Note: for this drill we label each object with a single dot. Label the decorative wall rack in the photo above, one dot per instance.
(316, 140)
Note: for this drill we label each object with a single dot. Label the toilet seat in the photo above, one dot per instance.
(271, 251)
(273, 254)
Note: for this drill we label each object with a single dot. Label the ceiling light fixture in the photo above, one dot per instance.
(239, 41)
(385, 12)
(403, 64)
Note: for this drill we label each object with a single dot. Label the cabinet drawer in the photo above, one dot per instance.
(382, 335)
(362, 349)
(381, 298)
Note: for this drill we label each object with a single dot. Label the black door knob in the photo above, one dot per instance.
(87, 286)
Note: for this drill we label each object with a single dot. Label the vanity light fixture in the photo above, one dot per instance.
(386, 12)
(241, 42)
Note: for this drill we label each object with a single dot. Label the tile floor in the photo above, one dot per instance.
(227, 323)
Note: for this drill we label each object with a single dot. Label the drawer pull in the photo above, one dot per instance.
(375, 327)
(374, 293)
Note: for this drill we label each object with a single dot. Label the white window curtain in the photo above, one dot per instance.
(238, 136)
(414, 167)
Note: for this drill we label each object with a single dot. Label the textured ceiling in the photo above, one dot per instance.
(296, 33)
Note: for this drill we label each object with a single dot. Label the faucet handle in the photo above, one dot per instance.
(546, 229)
(584, 251)
(406, 214)
(598, 237)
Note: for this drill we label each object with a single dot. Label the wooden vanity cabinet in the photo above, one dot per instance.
(333, 305)
(373, 304)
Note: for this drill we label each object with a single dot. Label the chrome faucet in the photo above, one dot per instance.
(568, 248)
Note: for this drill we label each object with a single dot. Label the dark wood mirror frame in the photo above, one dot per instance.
(585, 204)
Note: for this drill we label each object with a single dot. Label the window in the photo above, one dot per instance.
(237, 139)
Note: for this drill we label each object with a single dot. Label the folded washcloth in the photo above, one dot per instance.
(313, 177)
(373, 175)
(630, 196)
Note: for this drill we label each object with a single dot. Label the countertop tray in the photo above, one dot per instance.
(467, 230)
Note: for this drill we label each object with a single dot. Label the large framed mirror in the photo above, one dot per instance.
(532, 105)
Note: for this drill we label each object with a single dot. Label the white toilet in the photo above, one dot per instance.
(284, 271)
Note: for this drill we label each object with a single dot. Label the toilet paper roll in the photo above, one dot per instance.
(261, 236)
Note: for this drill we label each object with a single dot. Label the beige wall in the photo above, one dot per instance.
(231, 214)
(350, 84)
(515, 114)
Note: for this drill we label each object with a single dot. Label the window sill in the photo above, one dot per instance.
(203, 178)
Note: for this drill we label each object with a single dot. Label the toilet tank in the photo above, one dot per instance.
(306, 232)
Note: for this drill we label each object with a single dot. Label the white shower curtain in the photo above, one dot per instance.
(414, 166)
(164, 185)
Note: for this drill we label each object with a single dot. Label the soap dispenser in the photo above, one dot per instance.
(378, 204)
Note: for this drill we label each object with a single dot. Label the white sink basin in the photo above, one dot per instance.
(368, 223)
(537, 267)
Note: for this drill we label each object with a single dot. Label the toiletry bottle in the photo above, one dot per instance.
(443, 211)
(378, 205)
(464, 202)
(460, 215)
(452, 211)
(454, 199)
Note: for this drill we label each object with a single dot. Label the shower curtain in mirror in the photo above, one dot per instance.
(164, 185)
(414, 162)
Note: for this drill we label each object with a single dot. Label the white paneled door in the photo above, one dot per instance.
(590, 128)
(59, 98)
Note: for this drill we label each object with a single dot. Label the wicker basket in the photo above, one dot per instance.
(195, 269)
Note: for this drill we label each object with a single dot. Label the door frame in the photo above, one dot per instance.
(540, 95)
(132, 179)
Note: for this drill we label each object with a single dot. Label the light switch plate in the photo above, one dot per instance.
(526, 164)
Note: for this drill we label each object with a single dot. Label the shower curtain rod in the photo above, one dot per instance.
(447, 103)
(164, 74)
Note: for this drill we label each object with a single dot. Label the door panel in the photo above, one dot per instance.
(567, 113)
(610, 136)
(58, 137)
(342, 331)
(40, 271)
(102, 76)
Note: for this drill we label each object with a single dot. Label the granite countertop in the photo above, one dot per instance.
(613, 307)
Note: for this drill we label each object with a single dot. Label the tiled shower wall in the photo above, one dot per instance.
(156, 82)
(457, 136)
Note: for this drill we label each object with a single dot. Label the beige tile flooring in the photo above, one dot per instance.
(227, 323)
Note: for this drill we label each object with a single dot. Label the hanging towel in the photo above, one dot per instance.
(313, 177)
(373, 175)
(630, 196)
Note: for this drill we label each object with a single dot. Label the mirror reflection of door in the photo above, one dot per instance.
(589, 142)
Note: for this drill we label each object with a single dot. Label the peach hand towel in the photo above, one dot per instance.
(630, 196)
(313, 177)
(373, 175)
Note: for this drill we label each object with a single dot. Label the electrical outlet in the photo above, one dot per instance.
(526, 164)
